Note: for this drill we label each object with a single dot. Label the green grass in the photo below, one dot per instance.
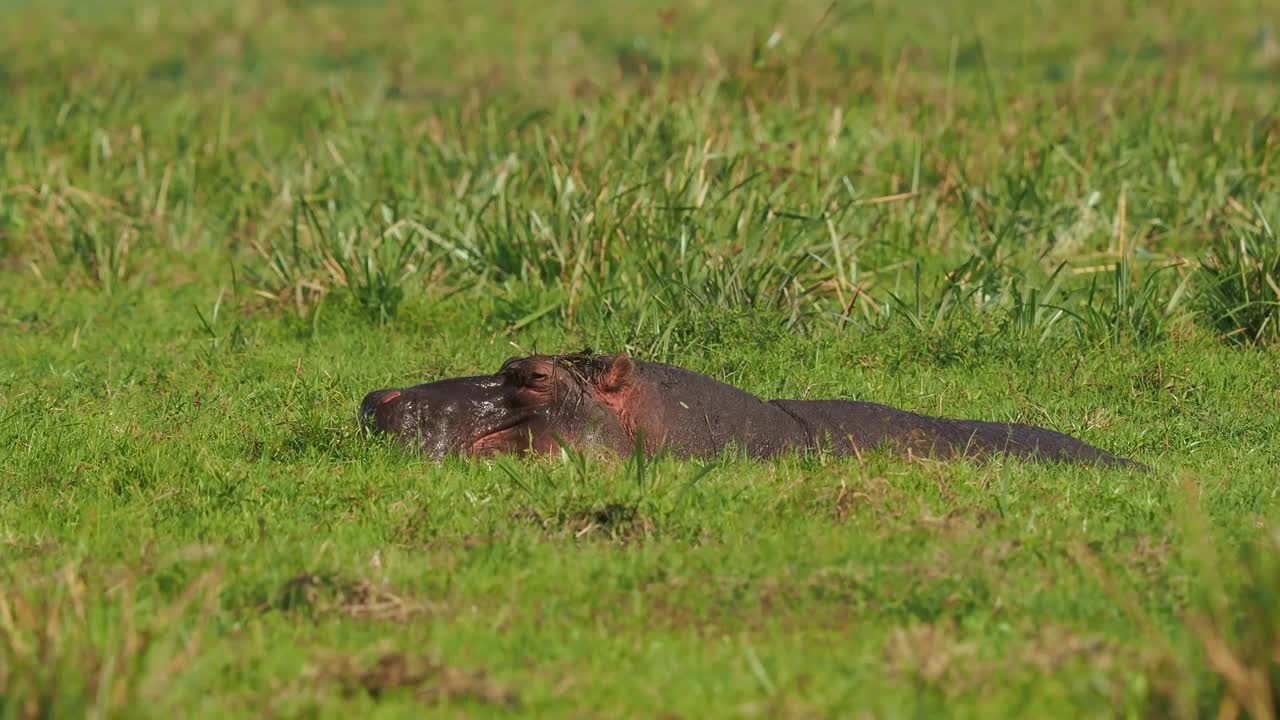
(221, 225)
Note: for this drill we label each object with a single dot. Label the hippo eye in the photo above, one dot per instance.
(537, 378)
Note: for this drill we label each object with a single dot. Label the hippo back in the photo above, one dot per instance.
(698, 415)
(851, 426)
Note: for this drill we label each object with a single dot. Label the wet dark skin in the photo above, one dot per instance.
(534, 404)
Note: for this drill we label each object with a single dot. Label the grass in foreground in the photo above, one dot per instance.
(220, 227)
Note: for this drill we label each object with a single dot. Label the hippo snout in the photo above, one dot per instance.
(374, 400)
(477, 415)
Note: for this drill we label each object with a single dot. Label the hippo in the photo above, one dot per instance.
(622, 405)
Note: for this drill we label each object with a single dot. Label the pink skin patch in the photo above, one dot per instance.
(514, 440)
(389, 397)
(490, 444)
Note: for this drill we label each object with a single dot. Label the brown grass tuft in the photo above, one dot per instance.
(328, 594)
(931, 653)
(432, 681)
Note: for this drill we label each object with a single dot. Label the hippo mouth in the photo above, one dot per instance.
(505, 437)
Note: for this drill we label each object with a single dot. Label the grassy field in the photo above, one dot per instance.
(222, 223)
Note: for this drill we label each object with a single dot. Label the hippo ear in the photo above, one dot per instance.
(619, 374)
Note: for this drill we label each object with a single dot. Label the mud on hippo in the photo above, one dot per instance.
(613, 402)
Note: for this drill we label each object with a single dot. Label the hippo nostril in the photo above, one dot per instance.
(389, 397)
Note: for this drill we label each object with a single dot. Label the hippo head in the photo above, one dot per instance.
(524, 407)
